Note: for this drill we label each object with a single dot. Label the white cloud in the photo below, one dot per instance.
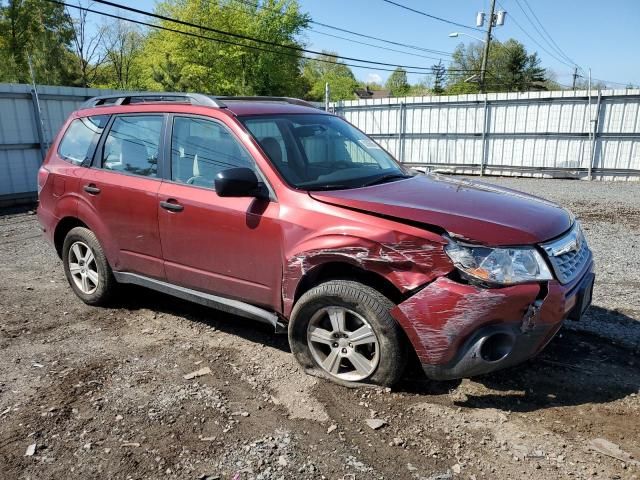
(374, 78)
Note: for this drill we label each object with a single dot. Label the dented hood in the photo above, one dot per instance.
(476, 211)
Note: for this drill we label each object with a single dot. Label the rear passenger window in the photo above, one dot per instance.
(81, 137)
(202, 148)
(133, 144)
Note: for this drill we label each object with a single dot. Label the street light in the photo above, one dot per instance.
(455, 35)
(485, 55)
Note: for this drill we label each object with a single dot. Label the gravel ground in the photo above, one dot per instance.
(100, 392)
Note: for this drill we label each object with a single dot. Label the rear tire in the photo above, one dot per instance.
(86, 267)
(344, 331)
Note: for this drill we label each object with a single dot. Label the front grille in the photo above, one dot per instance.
(569, 254)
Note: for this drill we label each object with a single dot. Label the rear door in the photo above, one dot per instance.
(68, 164)
(227, 246)
(122, 188)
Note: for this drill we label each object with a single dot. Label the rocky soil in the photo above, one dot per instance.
(101, 393)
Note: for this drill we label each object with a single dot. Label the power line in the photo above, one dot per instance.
(375, 46)
(425, 14)
(611, 81)
(553, 43)
(357, 34)
(499, 82)
(414, 47)
(315, 30)
(246, 37)
(219, 40)
(557, 47)
(253, 39)
(542, 36)
(513, 19)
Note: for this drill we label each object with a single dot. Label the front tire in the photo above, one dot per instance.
(344, 331)
(86, 267)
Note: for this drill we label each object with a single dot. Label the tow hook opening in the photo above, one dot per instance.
(496, 347)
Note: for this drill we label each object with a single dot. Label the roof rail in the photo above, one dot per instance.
(293, 101)
(129, 98)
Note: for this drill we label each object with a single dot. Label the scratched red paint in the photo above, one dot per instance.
(407, 264)
(438, 317)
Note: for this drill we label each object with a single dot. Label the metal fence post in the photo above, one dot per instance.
(327, 96)
(485, 134)
(403, 128)
(39, 125)
(594, 136)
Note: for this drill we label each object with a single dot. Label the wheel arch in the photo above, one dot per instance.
(64, 226)
(337, 270)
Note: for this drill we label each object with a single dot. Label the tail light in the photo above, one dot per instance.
(43, 175)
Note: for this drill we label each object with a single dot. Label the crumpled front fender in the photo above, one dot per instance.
(405, 261)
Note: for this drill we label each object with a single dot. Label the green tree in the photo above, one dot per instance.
(42, 31)
(420, 89)
(342, 82)
(439, 72)
(397, 83)
(199, 64)
(168, 75)
(373, 86)
(510, 68)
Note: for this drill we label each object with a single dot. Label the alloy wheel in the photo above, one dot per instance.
(83, 268)
(343, 343)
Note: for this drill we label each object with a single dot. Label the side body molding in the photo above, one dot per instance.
(228, 305)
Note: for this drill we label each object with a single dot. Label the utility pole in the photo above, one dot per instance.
(485, 53)
(575, 77)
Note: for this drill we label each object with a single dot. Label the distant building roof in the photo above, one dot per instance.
(368, 93)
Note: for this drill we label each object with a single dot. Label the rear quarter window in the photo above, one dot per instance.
(81, 138)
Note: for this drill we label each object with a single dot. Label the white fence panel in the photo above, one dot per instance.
(20, 143)
(536, 133)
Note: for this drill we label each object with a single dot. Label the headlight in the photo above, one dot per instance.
(505, 266)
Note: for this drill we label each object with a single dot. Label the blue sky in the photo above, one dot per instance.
(603, 36)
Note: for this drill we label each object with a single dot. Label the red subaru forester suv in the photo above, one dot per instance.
(271, 209)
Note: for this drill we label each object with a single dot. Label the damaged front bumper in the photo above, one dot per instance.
(460, 330)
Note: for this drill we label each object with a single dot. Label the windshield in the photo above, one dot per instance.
(322, 152)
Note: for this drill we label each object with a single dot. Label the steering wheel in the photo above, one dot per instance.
(193, 179)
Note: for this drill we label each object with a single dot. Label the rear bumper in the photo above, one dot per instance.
(47, 222)
(460, 330)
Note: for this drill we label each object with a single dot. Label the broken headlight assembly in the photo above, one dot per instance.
(502, 266)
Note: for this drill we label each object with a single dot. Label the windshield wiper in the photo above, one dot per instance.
(385, 178)
(317, 188)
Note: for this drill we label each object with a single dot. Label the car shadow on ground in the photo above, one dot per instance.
(576, 367)
(132, 297)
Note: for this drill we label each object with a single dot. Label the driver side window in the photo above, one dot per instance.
(201, 148)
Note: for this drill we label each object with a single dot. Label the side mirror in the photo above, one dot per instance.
(240, 182)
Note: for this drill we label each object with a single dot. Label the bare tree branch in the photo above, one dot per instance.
(88, 45)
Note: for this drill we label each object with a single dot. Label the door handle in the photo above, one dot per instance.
(172, 206)
(92, 189)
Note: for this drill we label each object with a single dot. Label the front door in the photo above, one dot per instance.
(226, 246)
